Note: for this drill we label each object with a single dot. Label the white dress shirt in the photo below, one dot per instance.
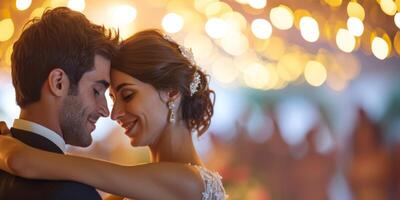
(40, 130)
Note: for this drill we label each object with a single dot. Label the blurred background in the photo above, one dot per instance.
(307, 104)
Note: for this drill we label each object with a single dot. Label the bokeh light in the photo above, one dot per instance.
(224, 70)
(261, 28)
(333, 3)
(77, 5)
(380, 48)
(235, 43)
(256, 76)
(345, 40)
(257, 4)
(23, 4)
(122, 15)
(200, 44)
(235, 21)
(355, 9)
(397, 20)
(172, 23)
(216, 28)
(388, 7)
(7, 29)
(309, 29)
(315, 73)
(282, 17)
(355, 26)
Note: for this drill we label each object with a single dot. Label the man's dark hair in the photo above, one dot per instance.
(61, 38)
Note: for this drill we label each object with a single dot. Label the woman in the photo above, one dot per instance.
(160, 98)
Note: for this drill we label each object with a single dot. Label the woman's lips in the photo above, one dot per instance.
(129, 126)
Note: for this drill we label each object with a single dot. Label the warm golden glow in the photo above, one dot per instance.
(200, 44)
(23, 4)
(309, 29)
(389, 7)
(77, 5)
(122, 15)
(345, 40)
(235, 43)
(7, 55)
(282, 17)
(37, 12)
(224, 70)
(216, 28)
(334, 3)
(217, 9)
(274, 48)
(202, 5)
(172, 23)
(380, 48)
(7, 29)
(261, 28)
(235, 21)
(396, 42)
(315, 73)
(290, 66)
(298, 14)
(57, 3)
(355, 26)
(355, 9)
(256, 76)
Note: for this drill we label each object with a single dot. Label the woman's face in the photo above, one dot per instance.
(138, 108)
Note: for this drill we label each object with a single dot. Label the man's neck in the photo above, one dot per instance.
(42, 115)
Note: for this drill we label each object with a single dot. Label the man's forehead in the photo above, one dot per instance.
(101, 69)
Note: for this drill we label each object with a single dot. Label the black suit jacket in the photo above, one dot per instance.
(17, 188)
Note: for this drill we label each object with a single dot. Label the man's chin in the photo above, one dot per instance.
(81, 142)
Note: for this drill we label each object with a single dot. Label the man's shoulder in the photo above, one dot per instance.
(13, 187)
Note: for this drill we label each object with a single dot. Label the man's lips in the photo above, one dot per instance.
(92, 122)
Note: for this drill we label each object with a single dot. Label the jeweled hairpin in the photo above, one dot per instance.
(188, 54)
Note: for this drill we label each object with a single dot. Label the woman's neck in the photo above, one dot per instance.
(175, 145)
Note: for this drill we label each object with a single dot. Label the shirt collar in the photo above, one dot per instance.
(40, 130)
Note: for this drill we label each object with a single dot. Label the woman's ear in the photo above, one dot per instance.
(170, 95)
(58, 82)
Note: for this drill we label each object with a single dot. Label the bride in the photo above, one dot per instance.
(160, 98)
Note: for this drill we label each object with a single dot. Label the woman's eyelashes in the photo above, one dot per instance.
(127, 95)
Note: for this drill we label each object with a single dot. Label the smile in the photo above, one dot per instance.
(129, 126)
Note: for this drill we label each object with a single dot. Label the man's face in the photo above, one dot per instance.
(81, 111)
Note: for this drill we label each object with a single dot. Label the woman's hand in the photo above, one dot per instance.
(10, 151)
(4, 129)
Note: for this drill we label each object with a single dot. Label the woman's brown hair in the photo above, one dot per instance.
(150, 58)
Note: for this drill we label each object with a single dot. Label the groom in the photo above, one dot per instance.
(60, 71)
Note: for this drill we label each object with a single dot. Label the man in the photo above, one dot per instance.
(60, 71)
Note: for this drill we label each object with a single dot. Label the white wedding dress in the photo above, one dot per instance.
(213, 188)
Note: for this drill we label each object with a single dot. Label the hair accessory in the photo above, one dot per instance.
(188, 54)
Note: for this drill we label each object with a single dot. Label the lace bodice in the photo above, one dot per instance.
(213, 188)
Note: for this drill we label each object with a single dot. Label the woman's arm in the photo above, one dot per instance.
(149, 181)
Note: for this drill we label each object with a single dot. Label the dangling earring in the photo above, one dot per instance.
(171, 116)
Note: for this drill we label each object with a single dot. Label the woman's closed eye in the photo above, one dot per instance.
(127, 95)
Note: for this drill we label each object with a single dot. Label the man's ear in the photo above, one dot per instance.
(58, 82)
